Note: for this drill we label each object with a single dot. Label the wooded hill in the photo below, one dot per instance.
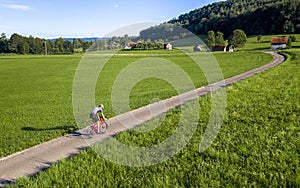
(255, 17)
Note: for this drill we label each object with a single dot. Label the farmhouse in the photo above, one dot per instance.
(279, 43)
(168, 46)
(197, 48)
(230, 48)
(130, 45)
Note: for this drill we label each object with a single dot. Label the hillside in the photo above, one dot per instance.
(254, 17)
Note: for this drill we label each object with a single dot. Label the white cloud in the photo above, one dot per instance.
(116, 6)
(16, 7)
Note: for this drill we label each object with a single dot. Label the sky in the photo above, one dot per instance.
(88, 18)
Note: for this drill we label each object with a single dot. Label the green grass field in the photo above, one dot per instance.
(230, 63)
(36, 91)
(264, 43)
(257, 146)
(35, 100)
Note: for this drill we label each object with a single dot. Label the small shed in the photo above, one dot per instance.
(279, 43)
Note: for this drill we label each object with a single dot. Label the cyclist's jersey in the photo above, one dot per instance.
(96, 110)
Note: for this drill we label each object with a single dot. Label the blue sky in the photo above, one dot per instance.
(86, 18)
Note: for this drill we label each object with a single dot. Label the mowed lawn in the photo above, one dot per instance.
(257, 146)
(36, 91)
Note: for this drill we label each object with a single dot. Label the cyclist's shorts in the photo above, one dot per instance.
(94, 117)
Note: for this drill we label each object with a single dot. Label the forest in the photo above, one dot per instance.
(255, 17)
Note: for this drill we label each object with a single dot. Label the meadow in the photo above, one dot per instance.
(146, 90)
(257, 146)
(264, 43)
(36, 91)
(36, 103)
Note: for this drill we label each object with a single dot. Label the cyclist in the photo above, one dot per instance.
(95, 117)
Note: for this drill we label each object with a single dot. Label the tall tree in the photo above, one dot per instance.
(220, 39)
(68, 47)
(238, 38)
(59, 45)
(14, 41)
(3, 44)
(31, 44)
(86, 45)
(22, 47)
(77, 43)
(124, 40)
(211, 40)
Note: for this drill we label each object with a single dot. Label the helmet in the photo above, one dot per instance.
(101, 105)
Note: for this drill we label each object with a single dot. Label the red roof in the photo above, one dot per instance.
(131, 44)
(218, 48)
(281, 40)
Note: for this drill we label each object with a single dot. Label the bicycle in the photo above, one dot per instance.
(93, 129)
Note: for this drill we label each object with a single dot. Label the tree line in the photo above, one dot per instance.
(19, 44)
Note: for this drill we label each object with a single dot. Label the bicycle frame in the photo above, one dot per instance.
(93, 129)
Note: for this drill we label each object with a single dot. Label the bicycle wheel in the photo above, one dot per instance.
(103, 127)
(90, 132)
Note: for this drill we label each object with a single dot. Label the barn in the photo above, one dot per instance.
(279, 43)
(219, 48)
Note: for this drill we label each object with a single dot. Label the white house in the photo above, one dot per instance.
(168, 46)
(197, 48)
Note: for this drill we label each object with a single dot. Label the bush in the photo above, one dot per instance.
(293, 38)
(149, 46)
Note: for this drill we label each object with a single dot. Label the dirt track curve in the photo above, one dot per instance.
(35, 159)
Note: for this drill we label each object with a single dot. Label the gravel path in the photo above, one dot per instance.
(40, 157)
